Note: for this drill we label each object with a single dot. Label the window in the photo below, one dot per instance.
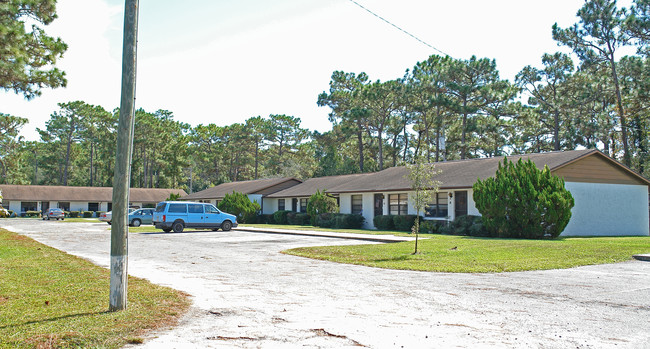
(280, 204)
(177, 208)
(438, 207)
(5, 204)
(28, 206)
(65, 206)
(195, 208)
(211, 209)
(93, 206)
(357, 204)
(110, 206)
(303, 205)
(398, 204)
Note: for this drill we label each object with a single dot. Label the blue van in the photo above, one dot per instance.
(178, 215)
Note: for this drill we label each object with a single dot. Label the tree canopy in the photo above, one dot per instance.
(27, 58)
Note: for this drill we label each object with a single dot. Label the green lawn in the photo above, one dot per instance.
(312, 228)
(460, 254)
(50, 299)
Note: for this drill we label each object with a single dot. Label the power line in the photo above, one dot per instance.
(400, 29)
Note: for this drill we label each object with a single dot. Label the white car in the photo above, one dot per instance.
(107, 216)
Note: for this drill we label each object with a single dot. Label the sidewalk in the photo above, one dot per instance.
(365, 237)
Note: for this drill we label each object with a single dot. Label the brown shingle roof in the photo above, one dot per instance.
(12, 192)
(244, 187)
(310, 186)
(461, 173)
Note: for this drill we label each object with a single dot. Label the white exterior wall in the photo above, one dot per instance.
(14, 206)
(608, 209)
(270, 205)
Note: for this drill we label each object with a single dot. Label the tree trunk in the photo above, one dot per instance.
(619, 104)
(360, 144)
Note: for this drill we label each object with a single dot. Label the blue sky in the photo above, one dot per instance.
(225, 61)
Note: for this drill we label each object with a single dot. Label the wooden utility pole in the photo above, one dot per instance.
(122, 178)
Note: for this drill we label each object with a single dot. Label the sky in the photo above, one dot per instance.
(223, 62)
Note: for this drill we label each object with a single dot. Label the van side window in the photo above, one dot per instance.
(194, 208)
(211, 209)
(177, 208)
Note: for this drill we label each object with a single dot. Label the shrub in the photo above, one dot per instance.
(320, 203)
(3, 213)
(87, 214)
(74, 214)
(431, 227)
(99, 213)
(11, 213)
(383, 222)
(265, 219)
(340, 220)
(297, 218)
(280, 217)
(404, 223)
(239, 205)
(522, 201)
(461, 225)
(33, 213)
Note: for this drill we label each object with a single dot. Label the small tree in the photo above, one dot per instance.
(173, 197)
(239, 205)
(320, 203)
(522, 201)
(424, 185)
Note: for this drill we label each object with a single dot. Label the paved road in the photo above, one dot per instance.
(247, 294)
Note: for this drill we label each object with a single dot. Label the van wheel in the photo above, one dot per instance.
(225, 226)
(136, 223)
(177, 227)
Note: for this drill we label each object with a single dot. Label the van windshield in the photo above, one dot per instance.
(161, 207)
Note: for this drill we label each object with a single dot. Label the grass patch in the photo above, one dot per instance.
(50, 299)
(461, 254)
(312, 228)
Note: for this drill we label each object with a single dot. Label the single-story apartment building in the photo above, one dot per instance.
(295, 198)
(610, 199)
(23, 198)
(257, 190)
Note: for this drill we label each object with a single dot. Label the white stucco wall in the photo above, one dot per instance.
(608, 209)
(269, 205)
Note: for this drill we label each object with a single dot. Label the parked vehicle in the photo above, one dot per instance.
(54, 213)
(178, 215)
(141, 216)
(107, 216)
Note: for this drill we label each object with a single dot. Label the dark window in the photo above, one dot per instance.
(398, 204)
(357, 204)
(280, 204)
(303, 205)
(28, 206)
(438, 207)
(93, 206)
(65, 206)
(211, 209)
(294, 204)
(110, 206)
(159, 208)
(177, 208)
(194, 208)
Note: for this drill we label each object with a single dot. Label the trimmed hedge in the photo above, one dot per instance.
(295, 218)
(265, 219)
(340, 220)
(87, 214)
(74, 214)
(404, 223)
(280, 217)
(33, 213)
(431, 227)
(467, 226)
(383, 222)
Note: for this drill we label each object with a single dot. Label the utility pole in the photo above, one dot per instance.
(122, 178)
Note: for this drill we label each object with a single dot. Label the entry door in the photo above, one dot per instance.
(45, 205)
(379, 204)
(294, 205)
(460, 203)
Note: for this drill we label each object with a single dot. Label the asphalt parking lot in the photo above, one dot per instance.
(247, 294)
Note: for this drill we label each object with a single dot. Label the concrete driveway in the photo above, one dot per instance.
(247, 294)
